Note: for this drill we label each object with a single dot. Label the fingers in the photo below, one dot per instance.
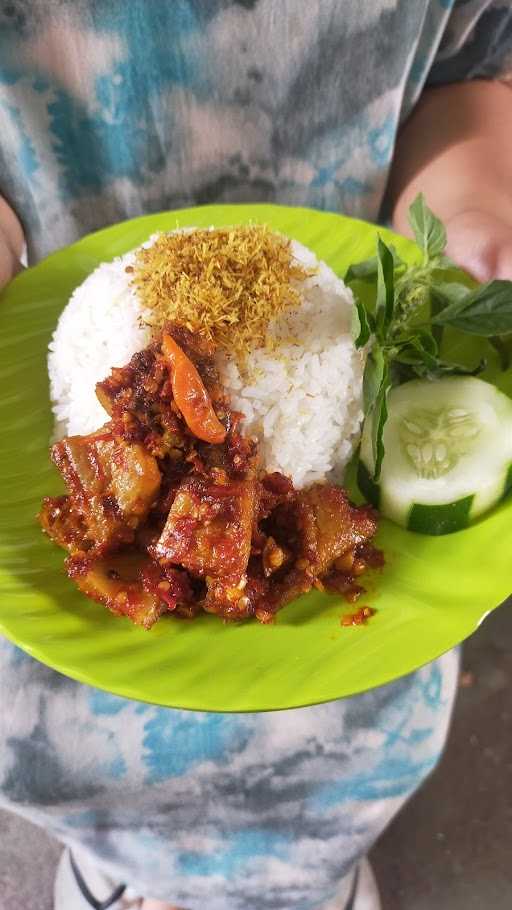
(9, 264)
(481, 244)
(11, 243)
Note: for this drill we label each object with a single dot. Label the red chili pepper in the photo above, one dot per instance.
(191, 396)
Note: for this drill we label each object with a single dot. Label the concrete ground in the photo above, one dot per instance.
(449, 849)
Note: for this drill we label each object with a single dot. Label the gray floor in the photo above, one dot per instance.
(451, 846)
(449, 849)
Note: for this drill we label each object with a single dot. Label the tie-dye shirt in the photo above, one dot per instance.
(109, 110)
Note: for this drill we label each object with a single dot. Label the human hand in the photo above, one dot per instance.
(7, 264)
(481, 244)
(11, 243)
(456, 149)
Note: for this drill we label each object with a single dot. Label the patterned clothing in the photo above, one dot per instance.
(230, 812)
(112, 109)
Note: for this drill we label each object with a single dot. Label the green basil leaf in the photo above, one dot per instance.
(487, 311)
(361, 270)
(385, 304)
(428, 342)
(422, 340)
(374, 370)
(442, 294)
(360, 327)
(379, 418)
(444, 262)
(397, 259)
(368, 268)
(447, 292)
(458, 369)
(503, 346)
(438, 302)
(443, 368)
(428, 230)
(414, 353)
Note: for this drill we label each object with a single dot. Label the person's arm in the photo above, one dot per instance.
(456, 148)
(11, 243)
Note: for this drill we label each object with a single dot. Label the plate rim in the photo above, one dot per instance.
(123, 689)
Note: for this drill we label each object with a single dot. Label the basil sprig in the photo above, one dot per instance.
(413, 305)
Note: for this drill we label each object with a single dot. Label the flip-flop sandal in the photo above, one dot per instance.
(361, 894)
(80, 885)
(77, 883)
(366, 893)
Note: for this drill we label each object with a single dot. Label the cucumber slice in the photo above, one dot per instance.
(448, 454)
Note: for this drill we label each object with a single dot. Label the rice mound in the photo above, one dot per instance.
(302, 400)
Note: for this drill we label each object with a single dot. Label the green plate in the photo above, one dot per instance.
(432, 593)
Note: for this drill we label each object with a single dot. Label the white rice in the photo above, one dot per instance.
(303, 401)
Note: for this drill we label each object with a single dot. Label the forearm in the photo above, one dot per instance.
(11, 243)
(456, 148)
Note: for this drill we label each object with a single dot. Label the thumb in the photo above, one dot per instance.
(481, 244)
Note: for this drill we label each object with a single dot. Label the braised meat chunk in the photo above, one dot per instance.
(168, 510)
(63, 523)
(209, 527)
(130, 584)
(319, 526)
(140, 399)
(116, 583)
(328, 525)
(112, 485)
